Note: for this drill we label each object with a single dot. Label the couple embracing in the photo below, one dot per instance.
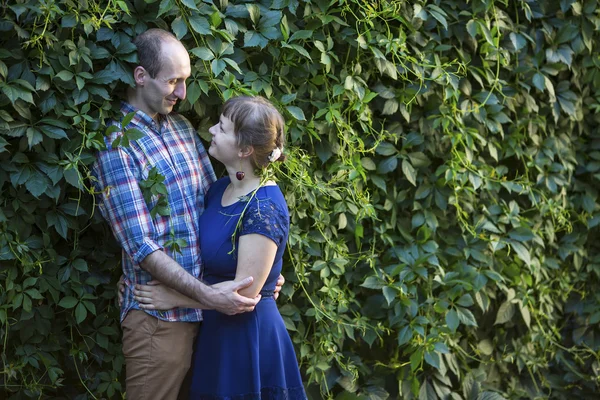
(235, 231)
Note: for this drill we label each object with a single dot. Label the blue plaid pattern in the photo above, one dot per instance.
(174, 148)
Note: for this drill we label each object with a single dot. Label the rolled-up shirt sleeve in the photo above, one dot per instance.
(122, 203)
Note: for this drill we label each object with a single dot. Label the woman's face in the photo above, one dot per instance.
(224, 146)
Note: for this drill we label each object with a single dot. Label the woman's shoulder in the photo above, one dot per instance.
(270, 197)
(272, 193)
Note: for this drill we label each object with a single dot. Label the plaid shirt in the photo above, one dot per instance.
(177, 152)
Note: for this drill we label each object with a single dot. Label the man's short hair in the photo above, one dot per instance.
(149, 49)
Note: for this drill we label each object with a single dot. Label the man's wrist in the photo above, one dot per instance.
(205, 294)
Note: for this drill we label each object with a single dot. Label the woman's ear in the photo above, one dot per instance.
(139, 75)
(246, 151)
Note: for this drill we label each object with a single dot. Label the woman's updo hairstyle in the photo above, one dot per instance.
(256, 123)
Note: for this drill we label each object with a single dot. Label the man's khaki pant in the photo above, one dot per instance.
(158, 355)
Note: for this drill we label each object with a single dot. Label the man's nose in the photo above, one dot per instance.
(180, 90)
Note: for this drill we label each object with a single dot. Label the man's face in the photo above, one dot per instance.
(159, 95)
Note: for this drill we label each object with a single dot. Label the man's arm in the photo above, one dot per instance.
(223, 297)
(122, 204)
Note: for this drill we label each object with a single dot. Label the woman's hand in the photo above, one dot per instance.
(279, 284)
(121, 290)
(156, 296)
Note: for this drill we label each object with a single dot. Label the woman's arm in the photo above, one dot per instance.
(156, 296)
(256, 254)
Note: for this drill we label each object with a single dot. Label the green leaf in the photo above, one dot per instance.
(435, 13)
(372, 282)
(387, 165)
(126, 120)
(72, 176)
(165, 6)
(465, 300)
(134, 134)
(190, 4)
(53, 132)
(179, 27)
(233, 64)
(270, 19)
(466, 316)
(419, 159)
(217, 66)
(254, 39)
(80, 313)
(415, 359)
(389, 293)
(432, 358)
(296, 112)
(29, 282)
(405, 335)
(193, 92)
(505, 313)
(485, 347)
(452, 320)
(301, 35)
(254, 12)
(288, 98)
(34, 137)
(80, 265)
(409, 172)
(200, 25)
(525, 314)
(34, 294)
(301, 50)
(490, 396)
(68, 302)
(65, 75)
(37, 184)
(521, 251)
(521, 234)
(26, 303)
(517, 40)
(386, 149)
(203, 53)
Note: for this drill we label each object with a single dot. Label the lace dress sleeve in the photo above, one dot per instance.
(266, 218)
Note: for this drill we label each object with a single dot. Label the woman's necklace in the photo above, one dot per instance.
(232, 195)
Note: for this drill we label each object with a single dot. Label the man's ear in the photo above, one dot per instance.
(246, 151)
(140, 75)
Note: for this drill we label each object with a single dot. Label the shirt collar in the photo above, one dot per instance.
(144, 120)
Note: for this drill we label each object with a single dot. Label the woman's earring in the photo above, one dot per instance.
(240, 174)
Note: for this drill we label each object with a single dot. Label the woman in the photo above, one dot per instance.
(244, 232)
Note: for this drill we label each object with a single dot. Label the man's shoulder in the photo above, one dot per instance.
(183, 127)
(179, 119)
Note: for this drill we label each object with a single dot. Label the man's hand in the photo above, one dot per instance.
(278, 285)
(226, 299)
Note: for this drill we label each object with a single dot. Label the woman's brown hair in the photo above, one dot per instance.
(256, 123)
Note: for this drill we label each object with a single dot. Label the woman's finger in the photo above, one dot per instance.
(142, 292)
(143, 300)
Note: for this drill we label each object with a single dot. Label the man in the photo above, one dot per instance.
(158, 345)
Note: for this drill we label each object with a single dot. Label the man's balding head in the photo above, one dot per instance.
(149, 45)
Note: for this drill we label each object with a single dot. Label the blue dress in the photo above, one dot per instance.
(248, 356)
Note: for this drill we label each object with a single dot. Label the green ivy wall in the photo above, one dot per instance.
(443, 187)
